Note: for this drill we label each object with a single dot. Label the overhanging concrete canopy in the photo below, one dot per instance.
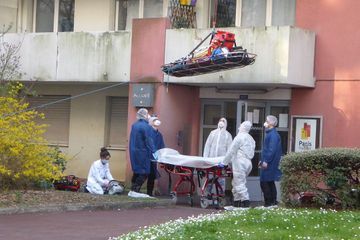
(285, 57)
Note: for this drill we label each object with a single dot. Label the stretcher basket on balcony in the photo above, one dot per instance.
(220, 55)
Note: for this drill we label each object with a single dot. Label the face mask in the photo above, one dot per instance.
(157, 123)
(104, 161)
(266, 125)
(221, 124)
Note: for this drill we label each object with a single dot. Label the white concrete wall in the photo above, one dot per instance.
(301, 57)
(279, 51)
(94, 15)
(90, 57)
(87, 126)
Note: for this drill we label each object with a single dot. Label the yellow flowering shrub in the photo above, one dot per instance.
(25, 157)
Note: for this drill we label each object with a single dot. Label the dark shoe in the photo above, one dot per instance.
(268, 204)
(245, 204)
(237, 204)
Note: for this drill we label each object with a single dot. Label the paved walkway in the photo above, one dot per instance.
(88, 224)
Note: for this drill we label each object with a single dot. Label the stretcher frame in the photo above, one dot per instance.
(186, 175)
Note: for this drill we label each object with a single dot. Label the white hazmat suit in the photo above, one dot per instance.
(239, 157)
(218, 141)
(217, 144)
(98, 178)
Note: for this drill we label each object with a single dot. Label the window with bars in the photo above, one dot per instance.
(181, 16)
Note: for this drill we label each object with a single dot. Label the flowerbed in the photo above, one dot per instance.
(258, 224)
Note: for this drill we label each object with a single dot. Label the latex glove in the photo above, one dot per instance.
(155, 156)
(221, 165)
(106, 182)
(264, 165)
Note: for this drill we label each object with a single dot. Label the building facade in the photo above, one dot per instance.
(97, 52)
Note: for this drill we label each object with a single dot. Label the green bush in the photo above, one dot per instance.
(327, 177)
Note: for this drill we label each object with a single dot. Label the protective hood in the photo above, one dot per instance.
(225, 121)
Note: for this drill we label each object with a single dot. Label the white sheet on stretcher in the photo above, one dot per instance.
(171, 156)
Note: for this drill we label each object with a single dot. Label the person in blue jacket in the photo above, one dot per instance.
(141, 147)
(270, 159)
(159, 144)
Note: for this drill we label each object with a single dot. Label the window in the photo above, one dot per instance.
(126, 11)
(121, 14)
(223, 13)
(57, 117)
(253, 13)
(153, 8)
(66, 16)
(54, 15)
(117, 122)
(44, 15)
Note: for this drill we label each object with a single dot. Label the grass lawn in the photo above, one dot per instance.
(259, 223)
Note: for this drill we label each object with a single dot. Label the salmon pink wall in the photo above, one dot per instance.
(178, 107)
(148, 49)
(337, 69)
(337, 102)
(179, 110)
(147, 56)
(336, 26)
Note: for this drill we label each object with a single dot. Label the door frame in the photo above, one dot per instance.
(253, 182)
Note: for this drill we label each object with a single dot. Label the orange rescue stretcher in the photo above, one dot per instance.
(221, 54)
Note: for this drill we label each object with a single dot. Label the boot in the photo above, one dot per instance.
(245, 204)
(237, 204)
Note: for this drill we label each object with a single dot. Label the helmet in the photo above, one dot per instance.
(115, 187)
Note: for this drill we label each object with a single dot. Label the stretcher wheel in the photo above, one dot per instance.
(173, 197)
(191, 200)
(220, 203)
(204, 202)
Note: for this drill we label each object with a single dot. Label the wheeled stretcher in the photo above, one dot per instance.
(186, 168)
(212, 193)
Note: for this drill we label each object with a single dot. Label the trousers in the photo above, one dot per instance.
(270, 193)
(137, 181)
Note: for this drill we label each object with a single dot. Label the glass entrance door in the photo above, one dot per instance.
(238, 111)
(255, 113)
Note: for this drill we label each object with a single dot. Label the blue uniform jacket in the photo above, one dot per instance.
(157, 139)
(141, 147)
(158, 144)
(271, 154)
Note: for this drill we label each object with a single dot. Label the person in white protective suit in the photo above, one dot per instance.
(217, 144)
(239, 157)
(99, 174)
